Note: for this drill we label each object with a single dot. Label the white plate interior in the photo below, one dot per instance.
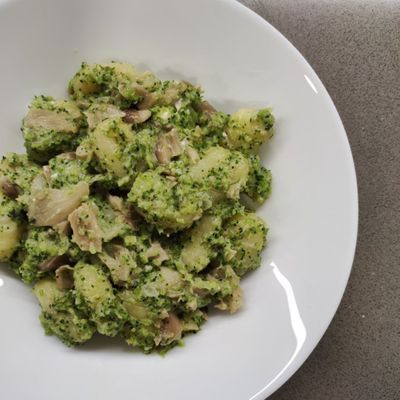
(240, 61)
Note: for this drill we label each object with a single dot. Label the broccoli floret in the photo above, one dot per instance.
(51, 127)
(246, 237)
(198, 248)
(152, 322)
(170, 206)
(40, 245)
(258, 186)
(67, 170)
(121, 264)
(11, 227)
(227, 208)
(96, 298)
(186, 117)
(19, 171)
(112, 224)
(120, 153)
(162, 116)
(230, 296)
(176, 103)
(219, 286)
(60, 316)
(206, 131)
(211, 131)
(222, 171)
(217, 123)
(116, 83)
(142, 150)
(178, 94)
(248, 129)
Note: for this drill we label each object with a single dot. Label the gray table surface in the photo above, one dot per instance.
(354, 46)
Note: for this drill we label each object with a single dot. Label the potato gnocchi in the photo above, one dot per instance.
(127, 211)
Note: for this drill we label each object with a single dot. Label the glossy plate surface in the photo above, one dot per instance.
(240, 61)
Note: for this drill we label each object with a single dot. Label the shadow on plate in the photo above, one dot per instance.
(100, 342)
(6, 271)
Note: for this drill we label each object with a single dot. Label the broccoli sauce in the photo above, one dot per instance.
(126, 211)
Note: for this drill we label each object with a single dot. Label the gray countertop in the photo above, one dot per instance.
(354, 46)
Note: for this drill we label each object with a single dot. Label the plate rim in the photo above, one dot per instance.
(281, 378)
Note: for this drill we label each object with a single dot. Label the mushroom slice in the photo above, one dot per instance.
(121, 263)
(99, 112)
(133, 116)
(10, 189)
(206, 108)
(233, 303)
(172, 325)
(236, 301)
(157, 254)
(39, 184)
(172, 282)
(62, 228)
(86, 232)
(68, 156)
(170, 330)
(85, 150)
(192, 154)
(168, 146)
(48, 207)
(149, 99)
(46, 171)
(65, 277)
(234, 191)
(117, 203)
(53, 263)
(52, 120)
(139, 89)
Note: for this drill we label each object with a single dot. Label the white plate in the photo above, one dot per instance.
(240, 60)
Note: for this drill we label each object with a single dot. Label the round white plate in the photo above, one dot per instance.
(241, 61)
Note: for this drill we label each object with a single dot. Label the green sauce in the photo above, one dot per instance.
(126, 213)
